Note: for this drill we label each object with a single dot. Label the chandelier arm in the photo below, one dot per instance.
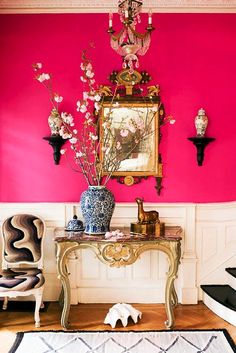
(117, 37)
(138, 35)
(145, 43)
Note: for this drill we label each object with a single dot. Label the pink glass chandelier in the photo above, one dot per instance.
(129, 43)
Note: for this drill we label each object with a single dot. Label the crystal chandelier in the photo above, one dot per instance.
(128, 42)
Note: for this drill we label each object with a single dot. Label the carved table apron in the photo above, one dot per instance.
(121, 252)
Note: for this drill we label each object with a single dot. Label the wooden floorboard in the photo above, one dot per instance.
(91, 316)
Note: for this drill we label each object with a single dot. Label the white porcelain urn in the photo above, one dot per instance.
(201, 122)
(54, 122)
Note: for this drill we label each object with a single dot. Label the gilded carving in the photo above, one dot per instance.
(117, 254)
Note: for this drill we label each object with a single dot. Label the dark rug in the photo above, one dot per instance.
(23, 306)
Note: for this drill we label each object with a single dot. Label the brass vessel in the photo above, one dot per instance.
(152, 229)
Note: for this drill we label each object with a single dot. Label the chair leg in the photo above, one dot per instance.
(5, 302)
(38, 302)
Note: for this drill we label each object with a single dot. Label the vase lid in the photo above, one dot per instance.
(75, 225)
(201, 112)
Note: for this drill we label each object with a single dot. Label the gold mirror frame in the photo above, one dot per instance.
(145, 159)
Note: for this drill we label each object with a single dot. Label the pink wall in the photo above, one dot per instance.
(192, 57)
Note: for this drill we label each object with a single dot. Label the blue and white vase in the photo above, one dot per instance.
(97, 206)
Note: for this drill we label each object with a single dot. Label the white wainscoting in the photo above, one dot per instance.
(216, 242)
(208, 246)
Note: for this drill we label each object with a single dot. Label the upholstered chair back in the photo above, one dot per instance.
(22, 262)
(22, 239)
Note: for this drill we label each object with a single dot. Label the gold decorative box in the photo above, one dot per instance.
(154, 229)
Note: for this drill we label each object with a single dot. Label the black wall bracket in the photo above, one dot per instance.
(56, 141)
(200, 143)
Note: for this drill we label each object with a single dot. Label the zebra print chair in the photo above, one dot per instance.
(22, 260)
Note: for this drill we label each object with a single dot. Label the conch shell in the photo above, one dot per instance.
(122, 312)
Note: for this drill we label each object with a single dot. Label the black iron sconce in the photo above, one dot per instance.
(56, 141)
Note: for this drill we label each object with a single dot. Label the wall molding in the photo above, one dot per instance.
(104, 6)
(208, 246)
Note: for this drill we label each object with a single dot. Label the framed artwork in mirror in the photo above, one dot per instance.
(134, 125)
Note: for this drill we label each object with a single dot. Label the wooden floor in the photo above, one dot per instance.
(91, 316)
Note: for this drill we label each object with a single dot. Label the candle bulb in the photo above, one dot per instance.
(110, 19)
(150, 17)
(126, 14)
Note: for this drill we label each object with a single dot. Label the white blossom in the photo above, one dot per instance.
(89, 121)
(37, 66)
(97, 106)
(79, 154)
(67, 118)
(85, 95)
(124, 132)
(65, 134)
(89, 66)
(58, 98)
(83, 108)
(93, 136)
(83, 79)
(43, 77)
(97, 97)
(89, 74)
(73, 140)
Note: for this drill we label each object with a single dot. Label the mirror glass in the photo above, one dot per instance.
(135, 126)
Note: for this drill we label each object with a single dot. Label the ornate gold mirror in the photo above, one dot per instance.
(134, 122)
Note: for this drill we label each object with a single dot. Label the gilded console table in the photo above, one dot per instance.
(122, 252)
